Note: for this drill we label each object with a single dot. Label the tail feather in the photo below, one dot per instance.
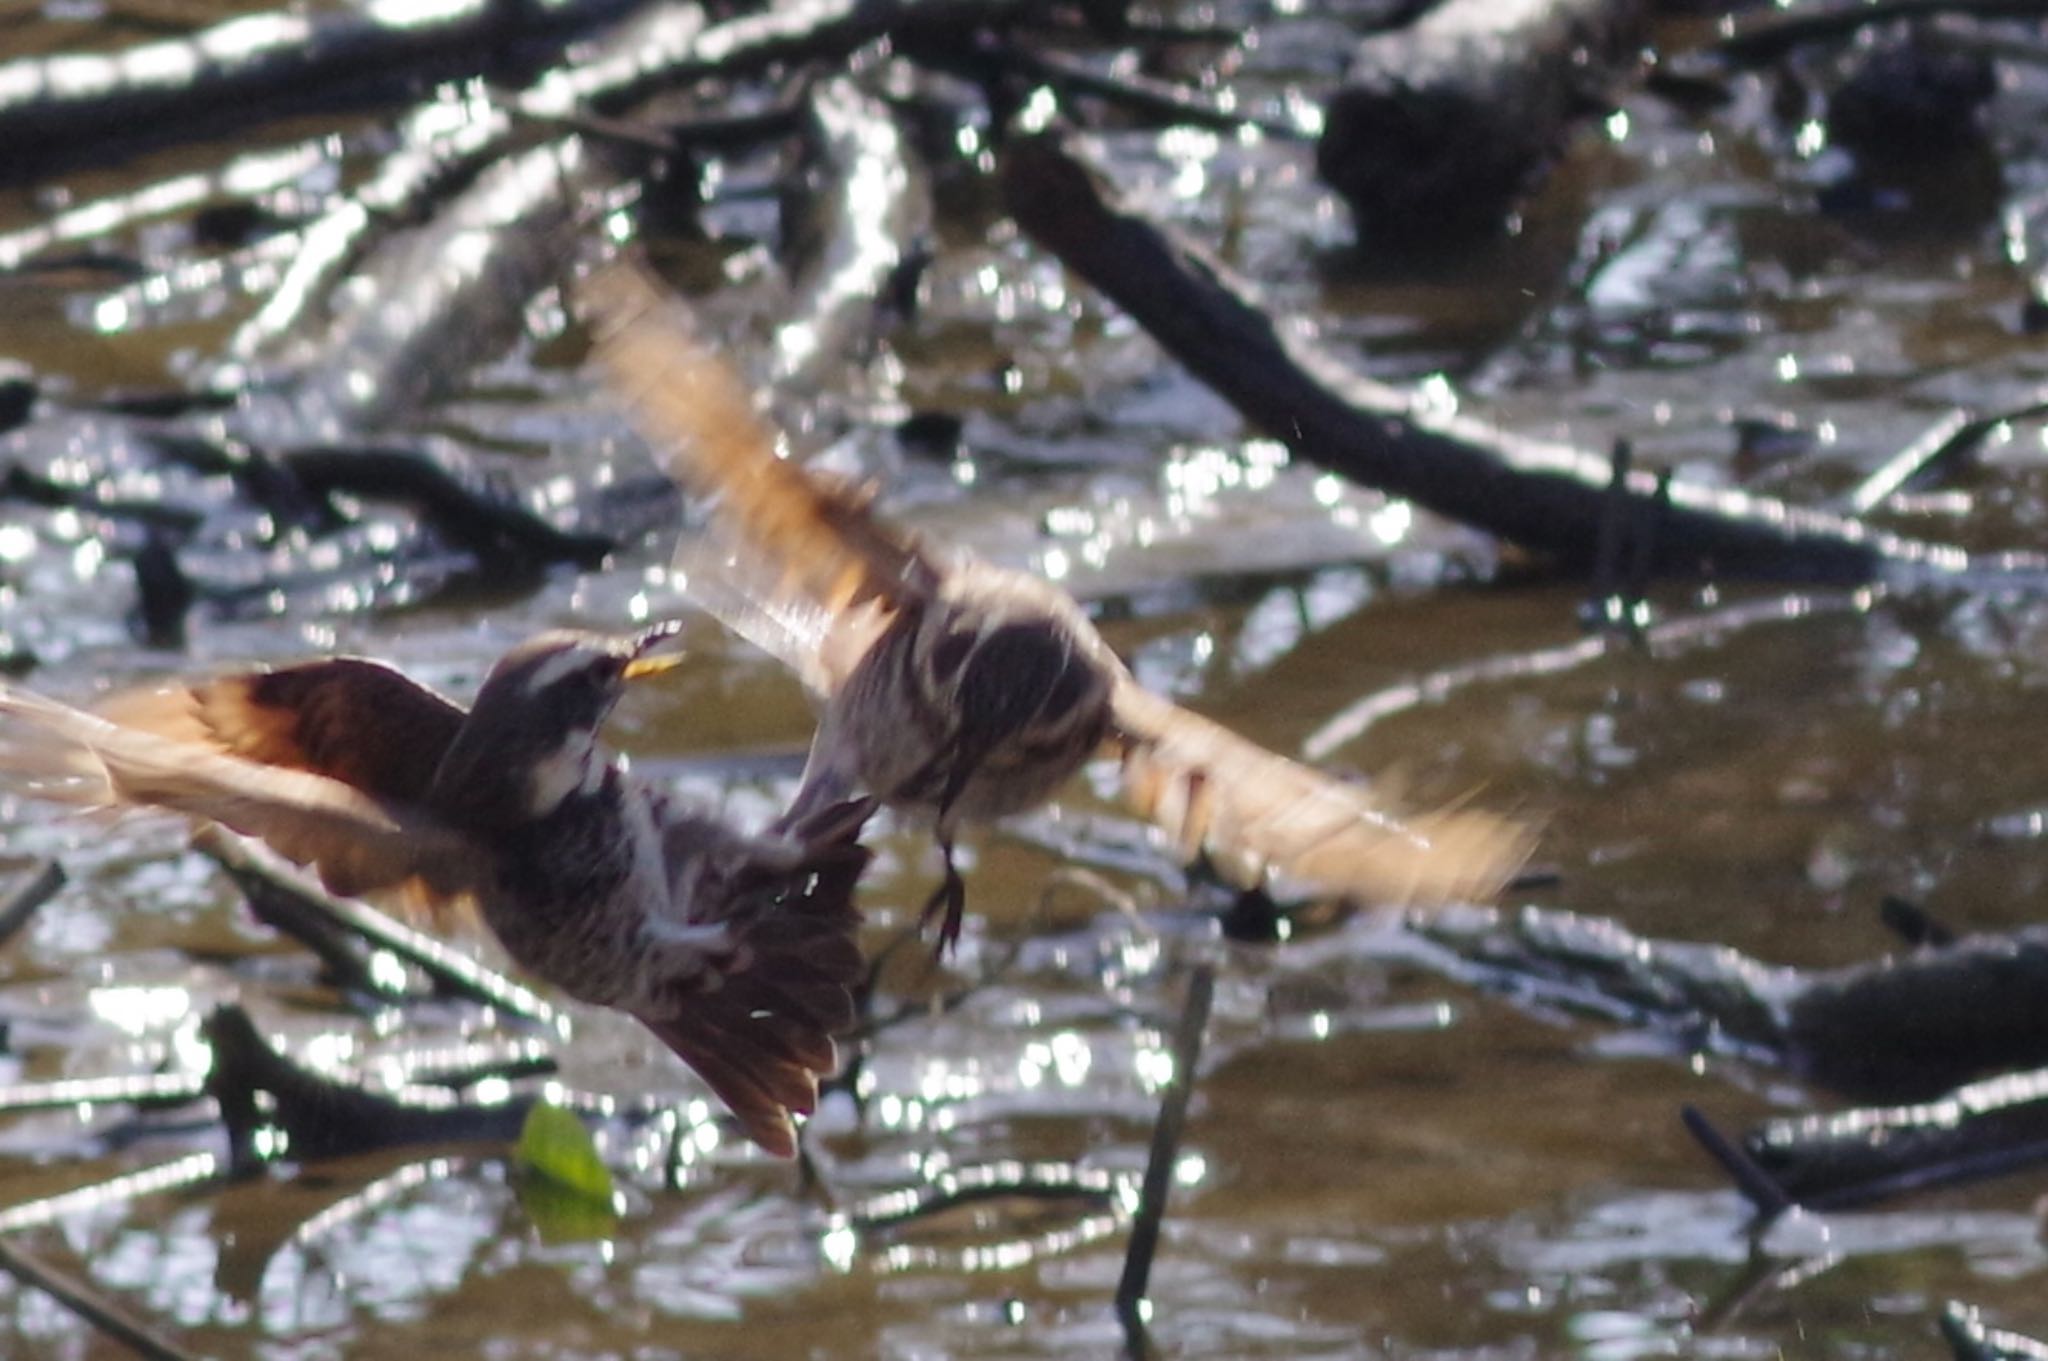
(762, 1037)
(741, 1080)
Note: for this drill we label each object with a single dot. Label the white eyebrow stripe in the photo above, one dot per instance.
(555, 668)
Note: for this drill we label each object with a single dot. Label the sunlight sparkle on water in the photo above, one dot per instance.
(111, 315)
(943, 1083)
(1154, 1068)
(138, 1010)
(838, 1244)
(330, 1050)
(417, 13)
(1192, 149)
(1067, 1055)
(1390, 523)
(1435, 395)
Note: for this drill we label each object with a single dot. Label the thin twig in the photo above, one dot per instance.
(34, 891)
(1913, 923)
(89, 1304)
(1758, 1187)
(1163, 101)
(1131, 1304)
(454, 972)
(1948, 439)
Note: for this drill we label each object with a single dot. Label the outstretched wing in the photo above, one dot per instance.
(1259, 815)
(347, 718)
(356, 842)
(795, 563)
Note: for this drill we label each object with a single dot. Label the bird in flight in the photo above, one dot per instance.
(736, 949)
(965, 691)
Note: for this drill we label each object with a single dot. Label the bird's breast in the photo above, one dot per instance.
(974, 713)
(571, 897)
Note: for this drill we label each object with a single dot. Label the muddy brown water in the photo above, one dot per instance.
(1379, 1161)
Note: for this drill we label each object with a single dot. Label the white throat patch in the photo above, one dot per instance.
(575, 767)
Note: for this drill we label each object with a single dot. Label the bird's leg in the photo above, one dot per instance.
(951, 897)
(951, 894)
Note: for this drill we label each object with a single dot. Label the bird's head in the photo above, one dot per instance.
(530, 741)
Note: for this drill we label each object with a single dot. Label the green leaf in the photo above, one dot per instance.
(554, 1144)
(560, 1215)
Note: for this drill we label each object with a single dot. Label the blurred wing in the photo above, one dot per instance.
(357, 844)
(793, 554)
(312, 717)
(745, 591)
(1258, 814)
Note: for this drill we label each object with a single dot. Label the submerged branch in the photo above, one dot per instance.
(274, 1108)
(494, 528)
(1971, 1339)
(1950, 439)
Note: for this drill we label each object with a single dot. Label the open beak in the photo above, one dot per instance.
(642, 666)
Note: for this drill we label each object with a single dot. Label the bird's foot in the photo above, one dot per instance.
(949, 899)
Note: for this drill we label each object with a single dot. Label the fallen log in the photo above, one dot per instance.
(1904, 1028)
(1548, 497)
(58, 107)
(1855, 1157)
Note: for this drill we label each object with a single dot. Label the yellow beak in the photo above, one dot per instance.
(642, 667)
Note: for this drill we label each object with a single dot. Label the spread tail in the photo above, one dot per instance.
(760, 1031)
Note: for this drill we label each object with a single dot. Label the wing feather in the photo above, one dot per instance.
(1260, 815)
(355, 842)
(315, 717)
(796, 558)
